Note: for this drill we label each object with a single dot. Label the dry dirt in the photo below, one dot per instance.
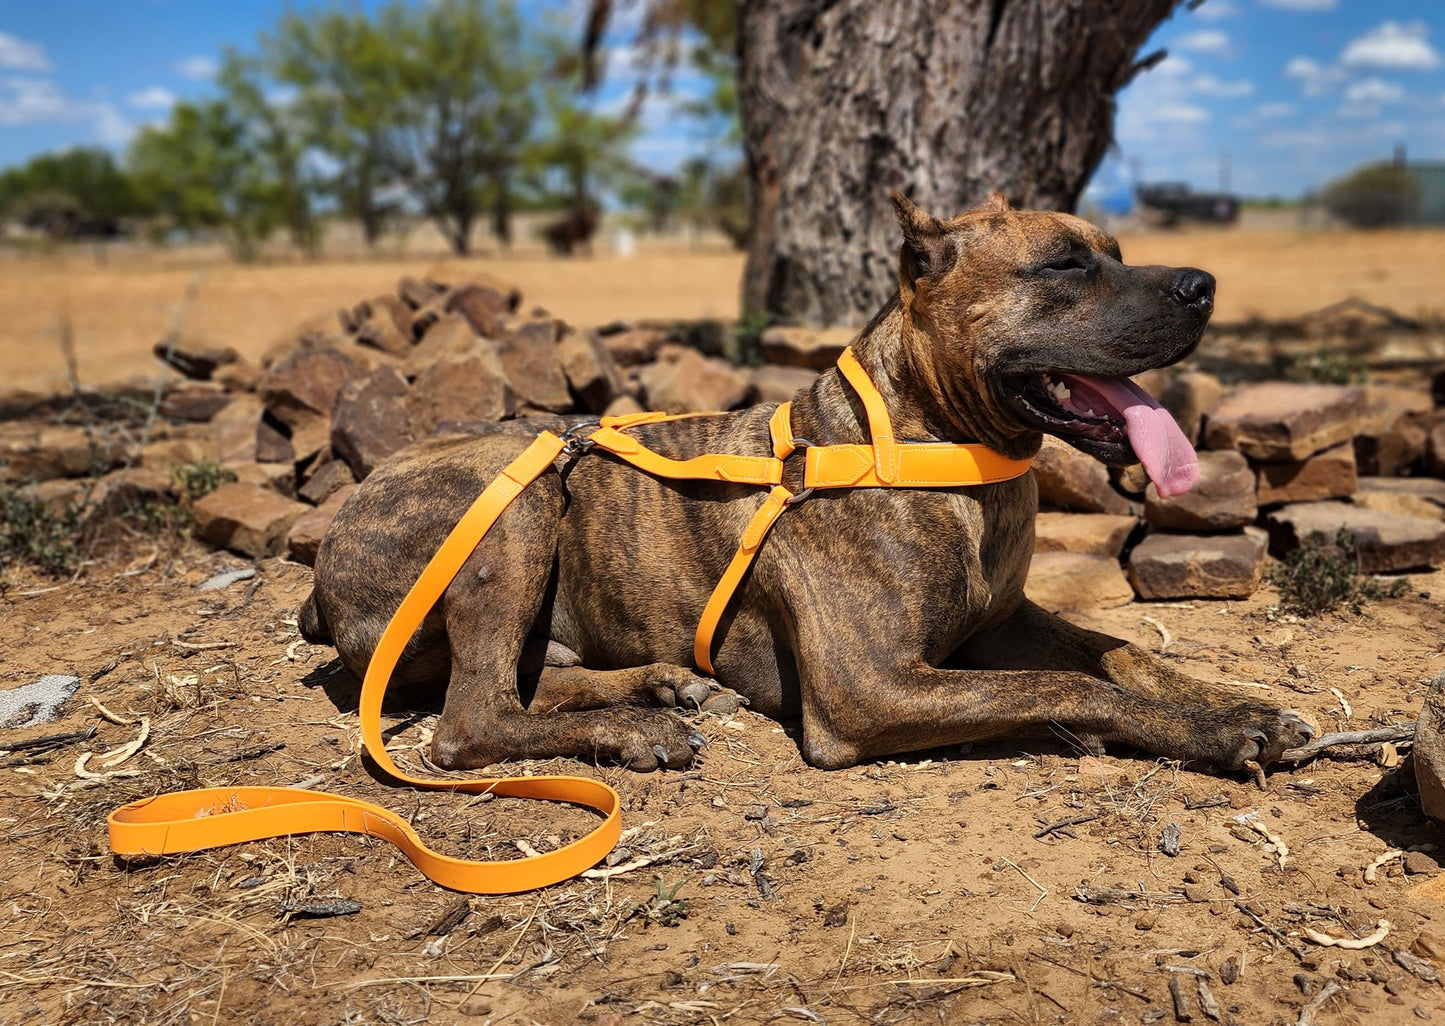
(920, 890)
(120, 309)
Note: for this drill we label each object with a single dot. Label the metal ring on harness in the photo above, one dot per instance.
(799, 444)
(574, 444)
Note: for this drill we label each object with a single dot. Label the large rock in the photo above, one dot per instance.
(233, 430)
(534, 368)
(1325, 475)
(1279, 421)
(487, 309)
(692, 383)
(804, 347)
(197, 402)
(1183, 566)
(1429, 750)
(194, 359)
(371, 421)
(633, 347)
(472, 386)
(325, 481)
(306, 533)
(1223, 500)
(1407, 496)
(131, 490)
(303, 386)
(246, 518)
(1093, 534)
(1070, 480)
(42, 452)
(1073, 580)
(774, 384)
(1391, 437)
(385, 324)
(1384, 541)
(451, 335)
(1188, 397)
(590, 369)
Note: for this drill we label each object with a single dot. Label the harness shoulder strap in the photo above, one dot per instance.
(192, 820)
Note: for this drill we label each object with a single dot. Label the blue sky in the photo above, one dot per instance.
(1295, 91)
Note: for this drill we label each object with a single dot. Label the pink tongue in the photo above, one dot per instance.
(1166, 454)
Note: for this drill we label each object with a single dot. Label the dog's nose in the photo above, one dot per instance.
(1193, 287)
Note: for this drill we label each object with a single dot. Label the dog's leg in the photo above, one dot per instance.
(561, 689)
(490, 608)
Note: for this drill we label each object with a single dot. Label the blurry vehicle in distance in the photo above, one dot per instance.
(1166, 204)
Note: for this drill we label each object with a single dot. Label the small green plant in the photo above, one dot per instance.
(200, 478)
(39, 534)
(667, 909)
(1324, 575)
(748, 337)
(1322, 369)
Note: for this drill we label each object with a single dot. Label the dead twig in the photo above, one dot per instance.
(1326, 742)
(1063, 824)
(1312, 1007)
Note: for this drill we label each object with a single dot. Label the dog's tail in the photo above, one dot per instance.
(314, 627)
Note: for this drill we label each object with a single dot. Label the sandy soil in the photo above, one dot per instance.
(119, 310)
(919, 890)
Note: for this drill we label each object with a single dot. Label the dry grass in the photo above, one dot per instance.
(120, 309)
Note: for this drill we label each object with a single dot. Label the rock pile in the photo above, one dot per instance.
(1278, 462)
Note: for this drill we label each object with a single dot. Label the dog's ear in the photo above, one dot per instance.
(927, 249)
(995, 203)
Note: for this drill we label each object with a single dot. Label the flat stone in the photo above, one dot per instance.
(590, 370)
(534, 368)
(1384, 541)
(237, 377)
(380, 330)
(279, 477)
(634, 346)
(1071, 480)
(42, 452)
(1074, 580)
(1185, 566)
(775, 384)
(306, 533)
(132, 489)
(246, 518)
(1095, 534)
(273, 439)
(1131, 480)
(233, 431)
(1325, 475)
(693, 383)
(486, 308)
(1223, 500)
(417, 292)
(326, 480)
(473, 386)
(1189, 397)
(1407, 496)
(1280, 421)
(197, 403)
(624, 405)
(1429, 750)
(194, 358)
(372, 421)
(804, 347)
(450, 335)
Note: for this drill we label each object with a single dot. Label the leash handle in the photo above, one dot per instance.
(186, 821)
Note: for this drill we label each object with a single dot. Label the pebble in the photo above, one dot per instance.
(1147, 921)
(722, 705)
(1196, 892)
(1429, 945)
(1064, 930)
(1419, 862)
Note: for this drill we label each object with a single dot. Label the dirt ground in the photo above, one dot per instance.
(919, 890)
(120, 309)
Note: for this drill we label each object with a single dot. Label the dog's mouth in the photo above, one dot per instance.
(1111, 419)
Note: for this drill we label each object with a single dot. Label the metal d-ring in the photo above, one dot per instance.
(573, 444)
(793, 500)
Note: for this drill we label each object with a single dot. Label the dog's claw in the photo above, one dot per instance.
(661, 754)
(697, 740)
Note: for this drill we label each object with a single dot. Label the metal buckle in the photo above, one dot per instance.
(573, 444)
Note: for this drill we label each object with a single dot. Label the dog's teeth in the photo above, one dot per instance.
(1090, 413)
(1063, 392)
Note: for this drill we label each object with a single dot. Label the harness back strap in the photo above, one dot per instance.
(193, 820)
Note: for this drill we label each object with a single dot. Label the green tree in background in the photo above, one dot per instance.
(1373, 196)
(80, 192)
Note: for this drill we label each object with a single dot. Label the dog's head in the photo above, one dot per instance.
(1019, 322)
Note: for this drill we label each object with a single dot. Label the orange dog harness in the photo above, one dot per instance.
(209, 818)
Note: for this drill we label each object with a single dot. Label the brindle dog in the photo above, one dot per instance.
(888, 620)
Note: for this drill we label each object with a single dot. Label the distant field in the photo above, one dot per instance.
(119, 309)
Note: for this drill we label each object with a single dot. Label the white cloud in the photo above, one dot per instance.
(1314, 78)
(111, 126)
(154, 98)
(1303, 5)
(199, 66)
(18, 55)
(1374, 90)
(1278, 109)
(1218, 10)
(1394, 46)
(1207, 85)
(1210, 41)
(1181, 114)
(38, 101)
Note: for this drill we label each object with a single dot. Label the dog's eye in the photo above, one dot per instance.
(1069, 263)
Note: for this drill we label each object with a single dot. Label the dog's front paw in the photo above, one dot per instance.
(657, 739)
(1259, 734)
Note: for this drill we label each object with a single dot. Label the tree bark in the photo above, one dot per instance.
(846, 100)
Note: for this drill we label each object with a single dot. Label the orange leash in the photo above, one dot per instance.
(192, 820)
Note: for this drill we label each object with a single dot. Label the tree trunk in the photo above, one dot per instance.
(846, 100)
